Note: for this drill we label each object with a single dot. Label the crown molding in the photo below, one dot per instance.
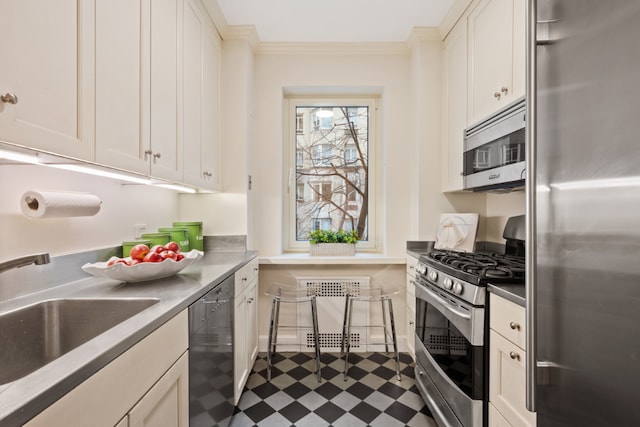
(456, 12)
(243, 32)
(333, 48)
(421, 35)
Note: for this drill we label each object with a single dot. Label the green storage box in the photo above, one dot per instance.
(157, 238)
(180, 235)
(194, 231)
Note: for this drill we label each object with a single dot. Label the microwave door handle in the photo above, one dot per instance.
(446, 305)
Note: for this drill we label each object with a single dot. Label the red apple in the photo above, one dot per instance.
(152, 257)
(139, 251)
(169, 255)
(158, 249)
(173, 246)
(179, 257)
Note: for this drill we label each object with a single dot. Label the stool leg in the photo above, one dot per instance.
(395, 341)
(314, 315)
(270, 342)
(384, 327)
(344, 323)
(348, 338)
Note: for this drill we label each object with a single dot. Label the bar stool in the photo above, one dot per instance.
(289, 294)
(361, 294)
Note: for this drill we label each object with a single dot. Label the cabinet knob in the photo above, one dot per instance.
(504, 90)
(156, 156)
(514, 355)
(147, 153)
(515, 326)
(250, 300)
(497, 95)
(9, 98)
(411, 322)
(207, 174)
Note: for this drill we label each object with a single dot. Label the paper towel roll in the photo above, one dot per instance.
(58, 204)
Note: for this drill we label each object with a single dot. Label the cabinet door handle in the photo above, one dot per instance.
(250, 300)
(504, 90)
(147, 153)
(497, 95)
(514, 355)
(9, 98)
(515, 326)
(156, 156)
(411, 322)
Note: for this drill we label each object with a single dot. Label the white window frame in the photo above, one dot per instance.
(373, 244)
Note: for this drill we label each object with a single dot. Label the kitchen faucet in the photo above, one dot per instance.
(38, 259)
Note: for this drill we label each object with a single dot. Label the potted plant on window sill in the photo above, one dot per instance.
(333, 243)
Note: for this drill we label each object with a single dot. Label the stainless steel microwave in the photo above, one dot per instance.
(494, 151)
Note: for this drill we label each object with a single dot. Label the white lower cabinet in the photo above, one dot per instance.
(411, 305)
(145, 386)
(496, 419)
(507, 357)
(167, 403)
(245, 344)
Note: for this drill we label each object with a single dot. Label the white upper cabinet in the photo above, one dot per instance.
(201, 72)
(47, 65)
(454, 107)
(496, 59)
(137, 86)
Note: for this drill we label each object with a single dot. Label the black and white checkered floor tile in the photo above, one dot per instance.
(371, 396)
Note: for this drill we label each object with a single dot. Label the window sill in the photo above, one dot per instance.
(305, 258)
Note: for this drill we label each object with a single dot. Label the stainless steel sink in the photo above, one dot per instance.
(32, 336)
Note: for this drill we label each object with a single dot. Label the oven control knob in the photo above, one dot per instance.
(421, 268)
(458, 288)
(448, 283)
(433, 275)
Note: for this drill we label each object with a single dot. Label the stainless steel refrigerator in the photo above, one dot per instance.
(583, 206)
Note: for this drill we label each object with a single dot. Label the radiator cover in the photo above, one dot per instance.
(331, 302)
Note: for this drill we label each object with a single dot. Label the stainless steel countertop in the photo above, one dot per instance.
(512, 292)
(26, 397)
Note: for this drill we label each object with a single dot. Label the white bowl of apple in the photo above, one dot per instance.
(145, 263)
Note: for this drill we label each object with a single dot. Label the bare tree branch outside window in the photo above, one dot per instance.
(332, 169)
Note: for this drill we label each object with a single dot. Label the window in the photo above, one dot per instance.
(350, 155)
(321, 191)
(321, 154)
(299, 160)
(300, 123)
(322, 224)
(333, 165)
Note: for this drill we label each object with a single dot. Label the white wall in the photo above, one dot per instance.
(122, 207)
(499, 208)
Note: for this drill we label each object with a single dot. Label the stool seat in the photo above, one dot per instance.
(291, 295)
(373, 294)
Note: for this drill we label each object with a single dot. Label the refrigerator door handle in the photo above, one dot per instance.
(530, 261)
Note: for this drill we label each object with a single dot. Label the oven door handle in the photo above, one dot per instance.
(446, 304)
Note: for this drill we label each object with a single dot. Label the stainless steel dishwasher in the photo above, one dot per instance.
(211, 357)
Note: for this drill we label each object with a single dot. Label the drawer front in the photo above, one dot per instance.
(411, 266)
(508, 319)
(507, 380)
(246, 275)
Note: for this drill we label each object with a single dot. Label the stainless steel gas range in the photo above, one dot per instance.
(452, 326)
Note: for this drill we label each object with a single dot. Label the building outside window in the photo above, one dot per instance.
(332, 168)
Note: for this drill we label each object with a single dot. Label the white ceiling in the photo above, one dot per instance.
(335, 20)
